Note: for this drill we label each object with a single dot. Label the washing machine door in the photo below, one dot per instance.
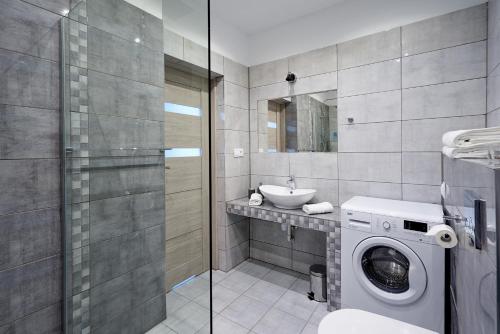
(389, 270)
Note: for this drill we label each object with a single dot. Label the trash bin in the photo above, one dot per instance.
(317, 273)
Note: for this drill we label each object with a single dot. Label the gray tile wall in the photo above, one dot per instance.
(404, 88)
(232, 131)
(119, 256)
(30, 222)
(269, 243)
(473, 272)
(469, 265)
(180, 48)
(312, 170)
(493, 116)
(29, 112)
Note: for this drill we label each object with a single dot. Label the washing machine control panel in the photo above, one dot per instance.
(400, 228)
(386, 225)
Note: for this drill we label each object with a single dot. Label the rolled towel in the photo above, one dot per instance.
(255, 199)
(471, 138)
(475, 152)
(312, 209)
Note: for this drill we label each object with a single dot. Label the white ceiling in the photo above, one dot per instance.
(256, 31)
(153, 7)
(253, 16)
(341, 22)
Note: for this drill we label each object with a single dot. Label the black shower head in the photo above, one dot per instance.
(291, 77)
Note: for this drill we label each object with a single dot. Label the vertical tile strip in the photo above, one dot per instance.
(80, 186)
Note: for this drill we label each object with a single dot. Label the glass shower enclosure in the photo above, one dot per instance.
(121, 267)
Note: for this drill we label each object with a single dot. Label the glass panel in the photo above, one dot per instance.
(387, 269)
(180, 109)
(183, 152)
(187, 121)
(123, 254)
(187, 201)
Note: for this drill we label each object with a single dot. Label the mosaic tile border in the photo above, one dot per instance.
(80, 306)
(78, 10)
(80, 232)
(330, 226)
(77, 86)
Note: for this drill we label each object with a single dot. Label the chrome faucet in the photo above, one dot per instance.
(291, 183)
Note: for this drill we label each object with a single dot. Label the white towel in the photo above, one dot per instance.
(312, 209)
(255, 199)
(471, 138)
(475, 152)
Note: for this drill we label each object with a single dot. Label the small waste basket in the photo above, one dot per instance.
(317, 273)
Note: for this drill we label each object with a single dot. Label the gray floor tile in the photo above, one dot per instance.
(217, 276)
(238, 281)
(279, 322)
(255, 268)
(282, 277)
(193, 288)
(297, 304)
(310, 329)
(175, 301)
(188, 319)
(319, 313)
(223, 326)
(203, 300)
(160, 329)
(221, 298)
(253, 296)
(301, 285)
(206, 275)
(266, 292)
(204, 330)
(245, 311)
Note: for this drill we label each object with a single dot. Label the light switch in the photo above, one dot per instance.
(238, 152)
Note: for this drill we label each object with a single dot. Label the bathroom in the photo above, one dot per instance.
(225, 166)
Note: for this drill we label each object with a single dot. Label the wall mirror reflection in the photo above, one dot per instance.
(299, 123)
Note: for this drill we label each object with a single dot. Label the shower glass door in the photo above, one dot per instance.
(117, 256)
(187, 166)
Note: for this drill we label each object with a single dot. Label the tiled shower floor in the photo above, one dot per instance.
(254, 297)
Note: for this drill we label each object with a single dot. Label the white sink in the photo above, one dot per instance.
(285, 198)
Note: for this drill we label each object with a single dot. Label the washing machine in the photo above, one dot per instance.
(389, 265)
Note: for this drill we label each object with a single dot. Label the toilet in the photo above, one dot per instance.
(353, 321)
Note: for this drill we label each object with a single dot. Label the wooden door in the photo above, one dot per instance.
(186, 176)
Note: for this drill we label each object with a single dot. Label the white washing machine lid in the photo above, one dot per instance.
(352, 321)
(424, 212)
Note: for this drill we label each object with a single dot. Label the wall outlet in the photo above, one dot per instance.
(238, 152)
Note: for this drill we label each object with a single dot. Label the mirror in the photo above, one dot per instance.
(299, 123)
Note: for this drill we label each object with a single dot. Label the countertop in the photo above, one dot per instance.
(266, 205)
